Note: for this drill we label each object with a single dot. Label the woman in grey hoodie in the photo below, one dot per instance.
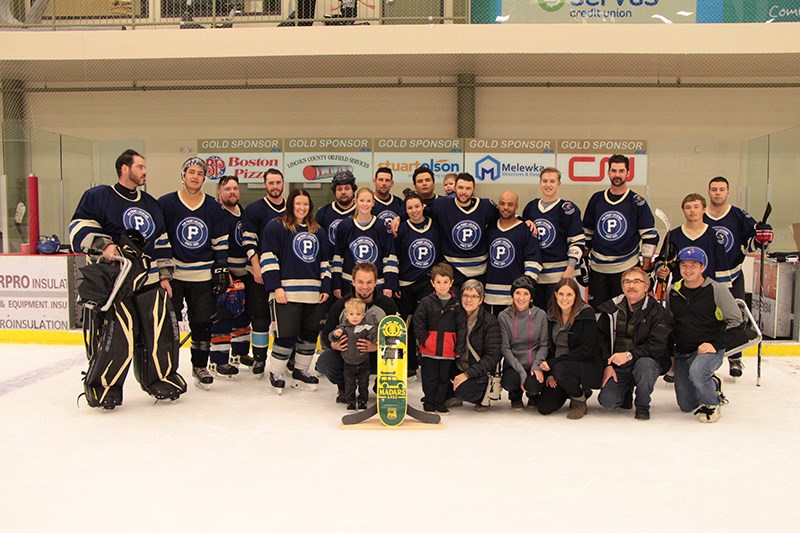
(525, 341)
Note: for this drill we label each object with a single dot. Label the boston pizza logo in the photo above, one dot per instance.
(192, 233)
(140, 220)
(612, 225)
(305, 246)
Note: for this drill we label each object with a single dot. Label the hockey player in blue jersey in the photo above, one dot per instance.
(199, 240)
(739, 234)
(695, 233)
(230, 333)
(363, 239)
(256, 216)
(419, 247)
(513, 252)
(424, 183)
(296, 271)
(387, 206)
(561, 237)
(343, 206)
(140, 327)
(619, 226)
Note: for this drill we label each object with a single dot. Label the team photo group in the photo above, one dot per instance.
(493, 291)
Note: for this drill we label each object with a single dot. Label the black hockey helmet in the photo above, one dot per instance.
(343, 177)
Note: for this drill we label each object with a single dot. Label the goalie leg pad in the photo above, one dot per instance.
(156, 364)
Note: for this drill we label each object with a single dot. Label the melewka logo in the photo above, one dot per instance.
(487, 167)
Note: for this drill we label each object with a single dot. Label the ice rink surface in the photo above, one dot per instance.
(240, 458)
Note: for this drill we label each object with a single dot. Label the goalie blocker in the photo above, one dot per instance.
(134, 323)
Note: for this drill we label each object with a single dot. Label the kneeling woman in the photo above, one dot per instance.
(573, 366)
(524, 348)
(294, 264)
(483, 347)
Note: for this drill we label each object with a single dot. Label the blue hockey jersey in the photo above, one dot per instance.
(296, 262)
(616, 229)
(561, 236)
(464, 243)
(198, 235)
(736, 230)
(386, 211)
(512, 252)
(329, 216)
(716, 261)
(418, 249)
(364, 244)
(105, 212)
(256, 215)
(237, 256)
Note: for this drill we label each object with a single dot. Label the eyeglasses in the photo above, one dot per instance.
(633, 282)
(470, 297)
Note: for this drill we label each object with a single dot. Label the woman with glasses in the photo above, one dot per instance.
(573, 365)
(633, 330)
(475, 367)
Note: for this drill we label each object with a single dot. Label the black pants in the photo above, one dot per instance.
(511, 382)
(411, 295)
(568, 376)
(737, 290)
(435, 379)
(603, 287)
(473, 390)
(201, 307)
(356, 375)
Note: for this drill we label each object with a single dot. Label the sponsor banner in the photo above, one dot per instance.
(600, 11)
(247, 159)
(508, 160)
(585, 161)
(34, 293)
(318, 159)
(404, 156)
(760, 11)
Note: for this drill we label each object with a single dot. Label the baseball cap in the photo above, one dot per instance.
(693, 253)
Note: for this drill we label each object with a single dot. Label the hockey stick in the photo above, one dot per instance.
(767, 212)
(662, 284)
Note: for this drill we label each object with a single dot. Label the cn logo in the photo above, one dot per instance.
(588, 168)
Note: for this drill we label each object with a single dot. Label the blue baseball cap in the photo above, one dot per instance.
(693, 253)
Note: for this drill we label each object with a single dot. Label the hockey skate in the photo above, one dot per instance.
(735, 367)
(202, 378)
(303, 379)
(225, 370)
(246, 360)
(278, 382)
(258, 369)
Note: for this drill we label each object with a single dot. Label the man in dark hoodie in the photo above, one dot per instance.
(633, 330)
(705, 323)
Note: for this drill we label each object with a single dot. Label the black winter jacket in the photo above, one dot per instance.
(650, 335)
(582, 341)
(485, 339)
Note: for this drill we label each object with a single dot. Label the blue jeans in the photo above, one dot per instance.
(642, 375)
(693, 383)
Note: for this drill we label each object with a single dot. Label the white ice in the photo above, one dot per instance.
(240, 458)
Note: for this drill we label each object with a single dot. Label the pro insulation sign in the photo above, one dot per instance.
(319, 159)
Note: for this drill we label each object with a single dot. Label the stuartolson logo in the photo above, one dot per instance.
(487, 167)
(552, 5)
